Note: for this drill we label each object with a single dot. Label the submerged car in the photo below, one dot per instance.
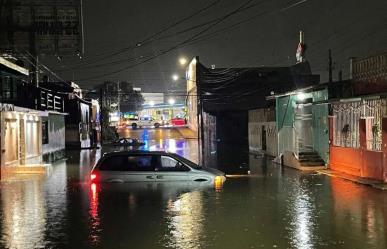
(151, 166)
(128, 142)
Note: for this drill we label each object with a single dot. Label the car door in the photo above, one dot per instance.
(127, 168)
(170, 169)
(140, 168)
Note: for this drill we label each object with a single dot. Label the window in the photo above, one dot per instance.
(45, 132)
(140, 163)
(114, 163)
(170, 164)
(8, 88)
(125, 163)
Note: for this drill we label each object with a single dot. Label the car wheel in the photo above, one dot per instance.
(157, 125)
(134, 126)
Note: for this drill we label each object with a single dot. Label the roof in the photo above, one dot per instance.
(13, 67)
(145, 152)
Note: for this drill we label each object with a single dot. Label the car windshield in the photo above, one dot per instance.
(187, 162)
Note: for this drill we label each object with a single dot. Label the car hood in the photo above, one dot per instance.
(213, 171)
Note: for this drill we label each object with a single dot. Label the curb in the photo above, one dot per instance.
(372, 183)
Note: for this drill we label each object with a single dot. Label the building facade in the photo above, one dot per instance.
(220, 100)
(302, 123)
(358, 124)
(20, 127)
(263, 131)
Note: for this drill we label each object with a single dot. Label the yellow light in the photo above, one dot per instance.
(183, 61)
(218, 182)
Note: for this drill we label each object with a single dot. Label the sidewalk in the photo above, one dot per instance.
(187, 133)
(360, 180)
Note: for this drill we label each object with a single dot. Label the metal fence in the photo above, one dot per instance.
(346, 118)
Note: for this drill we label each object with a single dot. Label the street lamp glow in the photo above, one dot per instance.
(183, 61)
(301, 96)
(171, 101)
(175, 77)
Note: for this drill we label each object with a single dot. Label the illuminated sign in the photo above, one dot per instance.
(46, 26)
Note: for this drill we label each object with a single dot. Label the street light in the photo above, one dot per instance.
(171, 101)
(183, 61)
(175, 77)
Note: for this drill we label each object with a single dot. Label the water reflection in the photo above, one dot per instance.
(360, 209)
(24, 215)
(302, 220)
(272, 208)
(33, 209)
(185, 221)
(95, 228)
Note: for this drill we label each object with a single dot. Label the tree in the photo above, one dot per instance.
(130, 100)
(109, 133)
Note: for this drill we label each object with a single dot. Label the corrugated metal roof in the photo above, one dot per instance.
(13, 66)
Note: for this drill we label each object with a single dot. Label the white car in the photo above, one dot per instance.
(145, 122)
(151, 166)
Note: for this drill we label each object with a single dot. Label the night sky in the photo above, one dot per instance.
(227, 33)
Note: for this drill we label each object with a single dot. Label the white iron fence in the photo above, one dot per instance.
(346, 122)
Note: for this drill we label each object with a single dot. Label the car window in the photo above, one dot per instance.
(167, 163)
(113, 163)
(139, 163)
(127, 163)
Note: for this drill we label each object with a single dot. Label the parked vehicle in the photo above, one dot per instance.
(128, 142)
(145, 122)
(178, 121)
(151, 166)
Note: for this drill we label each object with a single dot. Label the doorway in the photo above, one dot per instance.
(263, 137)
(303, 124)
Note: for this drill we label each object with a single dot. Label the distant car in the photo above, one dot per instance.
(128, 142)
(145, 122)
(151, 166)
(178, 121)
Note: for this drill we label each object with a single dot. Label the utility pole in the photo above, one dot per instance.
(330, 65)
(118, 100)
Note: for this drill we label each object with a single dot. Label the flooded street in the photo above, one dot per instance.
(274, 207)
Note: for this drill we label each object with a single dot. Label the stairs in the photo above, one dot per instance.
(310, 159)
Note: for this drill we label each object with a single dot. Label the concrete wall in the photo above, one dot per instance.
(78, 125)
(210, 143)
(255, 137)
(192, 100)
(262, 122)
(192, 110)
(55, 147)
(357, 162)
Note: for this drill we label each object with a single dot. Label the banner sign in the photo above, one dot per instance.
(46, 27)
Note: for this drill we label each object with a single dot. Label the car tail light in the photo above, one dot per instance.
(94, 176)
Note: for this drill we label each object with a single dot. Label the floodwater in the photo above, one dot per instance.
(273, 207)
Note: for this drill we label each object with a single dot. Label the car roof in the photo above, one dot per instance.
(136, 152)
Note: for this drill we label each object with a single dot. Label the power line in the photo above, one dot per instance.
(174, 47)
(125, 60)
(153, 36)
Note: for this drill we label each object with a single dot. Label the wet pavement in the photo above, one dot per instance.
(273, 207)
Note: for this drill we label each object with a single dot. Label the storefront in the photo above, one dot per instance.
(22, 138)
